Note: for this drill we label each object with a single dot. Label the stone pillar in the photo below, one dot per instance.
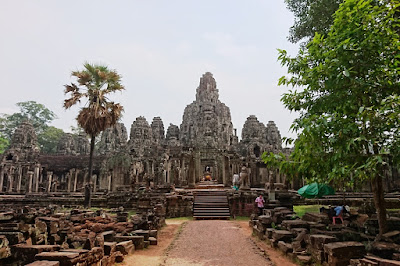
(76, 179)
(36, 177)
(271, 190)
(11, 180)
(94, 179)
(109, 176)
(30, 174)
(68, 179)
(1, 178)
(19, 179)
(49, 180)
(192, 173)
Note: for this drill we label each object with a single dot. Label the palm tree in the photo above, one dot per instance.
(94, 82)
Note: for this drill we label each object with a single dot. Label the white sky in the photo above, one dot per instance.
(161, 49)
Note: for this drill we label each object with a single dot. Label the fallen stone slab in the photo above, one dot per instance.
(65, 258)
(153, 240)
(108, 236)
(283, 235)
(13, 237)
(340, 253)
(385, 249)
(318, 241)
(290, 224)
(304, 259)
(5, 249)
(125, 247)
(153, 233)
(285, 247)
(144, 233)
(383, 262)
(110, 247)
(26, 253)
(146, 243)
(138, 241)
(44, 263)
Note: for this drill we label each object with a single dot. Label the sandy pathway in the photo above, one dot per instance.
(214, 242)
(207, 242)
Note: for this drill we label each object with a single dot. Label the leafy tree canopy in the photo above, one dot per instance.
(48, 139)
(311, 16)
(36, 113)
(349, 103)
(3, 143)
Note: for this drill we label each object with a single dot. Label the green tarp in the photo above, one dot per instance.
(315, 190)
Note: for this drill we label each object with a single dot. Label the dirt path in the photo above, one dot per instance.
(153, 256)
(207, 242)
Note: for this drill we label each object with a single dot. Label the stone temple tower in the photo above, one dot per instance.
(207, 121)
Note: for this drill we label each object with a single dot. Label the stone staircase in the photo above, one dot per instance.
(210, 204)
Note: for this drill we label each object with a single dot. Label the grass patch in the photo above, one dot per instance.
(300, 210)
(241, 218)
(187, 218)
(130, 213)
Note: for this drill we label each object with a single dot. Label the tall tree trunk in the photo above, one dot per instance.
(379, 200)
(88, 181)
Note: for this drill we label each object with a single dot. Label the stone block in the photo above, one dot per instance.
(65, 258)
(367, 262)
(268, 232)
(383, 262)
(13, 237)
(5, 249)
(340, 253)
(110, 247)
(385, 249)
(153, 240)
(318, 241)
(259, 233)
(304, 259)
(125, 247)
(119, 257)
(290, 224)
(282, 235)
(44, 263)
(26, 253)
(138, 241)
(144, 233)
(285, 247)
(153, 233)
(108, 236)
(146, 243)
(6, 216)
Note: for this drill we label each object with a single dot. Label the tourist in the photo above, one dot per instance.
(260, 204)
(236, 182)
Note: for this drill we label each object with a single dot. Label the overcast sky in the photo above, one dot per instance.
(161, 49)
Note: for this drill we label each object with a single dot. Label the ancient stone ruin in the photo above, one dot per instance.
(179, 156)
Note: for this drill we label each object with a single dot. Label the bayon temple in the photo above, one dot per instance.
(178, 156)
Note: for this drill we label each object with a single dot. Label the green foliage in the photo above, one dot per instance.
(49, 138)
(311, 17)
(300, 210)
(36, 113)
(95, 83)
(348, 101)
(3, 144)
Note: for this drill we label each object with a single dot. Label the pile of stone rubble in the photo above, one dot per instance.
(313, 239)
(78, 237)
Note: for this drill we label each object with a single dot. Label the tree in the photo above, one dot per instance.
(49, 138)
(3, 143)
(36, 113)
(348, 100)
(94, 83)
(311, 17)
